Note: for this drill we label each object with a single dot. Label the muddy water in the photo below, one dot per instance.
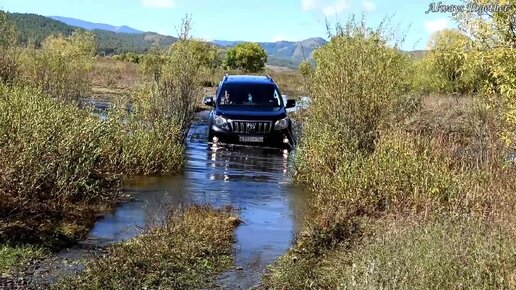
(256, 181)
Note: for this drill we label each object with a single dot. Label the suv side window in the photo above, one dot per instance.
(217, 91)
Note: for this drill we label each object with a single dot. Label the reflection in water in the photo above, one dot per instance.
(253, 180)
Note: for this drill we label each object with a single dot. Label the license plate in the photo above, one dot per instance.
(251, 138)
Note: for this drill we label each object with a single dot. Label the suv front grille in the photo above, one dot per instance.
(258, 127)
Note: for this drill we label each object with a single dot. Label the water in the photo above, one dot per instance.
(253, 180)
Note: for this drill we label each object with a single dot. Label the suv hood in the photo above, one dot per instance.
(243, 113)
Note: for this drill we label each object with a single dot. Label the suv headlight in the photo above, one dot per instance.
(281, 124)
(221, 122)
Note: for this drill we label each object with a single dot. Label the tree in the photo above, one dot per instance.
(447, 60)
(250, 57)
(494, 56)
(491, 29)
(208, 54)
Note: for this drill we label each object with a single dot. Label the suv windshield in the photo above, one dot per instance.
(263, 95)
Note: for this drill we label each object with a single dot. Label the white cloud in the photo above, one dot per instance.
(335, 8)
(158, 3)
(207, 38)
(164, 32)
(309, 4)
(432, 26)
(278, 38)
(369, 5)
(327, 7)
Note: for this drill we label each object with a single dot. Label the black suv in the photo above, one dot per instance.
(250, 110)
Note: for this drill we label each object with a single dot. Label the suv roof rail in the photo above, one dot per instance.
(269, 77)
(225, 76)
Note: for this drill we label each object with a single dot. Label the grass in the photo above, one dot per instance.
(443, 252)
(290, 82)
(438, 252)
(17, 256)
(185, 252)
(114, 77)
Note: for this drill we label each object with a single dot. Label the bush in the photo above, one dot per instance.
(132, 57)
(493, 58)
(172, 94)
(61, 67)
(355, 88)
(69, 164)
(446, 65)
(53, 159)
(142, 148)
(57, 147)
(60, 164)
(209, 55)
(305, 69)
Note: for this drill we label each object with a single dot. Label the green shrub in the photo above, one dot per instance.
(154, 147)
(305, 69)
(446, 176)
(61, 67)
(494, 60)
(446, 67)
(57, 147)
(355, 88)
(169, 99)
(54, 172)
(69, 164)
(132, 57)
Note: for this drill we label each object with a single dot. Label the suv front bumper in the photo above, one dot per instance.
(275, 138)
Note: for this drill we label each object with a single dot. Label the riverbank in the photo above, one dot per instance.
(186, 251)
(61, 166)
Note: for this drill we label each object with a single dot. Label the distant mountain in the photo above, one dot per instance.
(111, 40)
(284, 53)
(293, 51)
(34, 29)
(226, 43)
(94, 26)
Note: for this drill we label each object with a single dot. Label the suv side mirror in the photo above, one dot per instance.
(290, 104)
(208, 101)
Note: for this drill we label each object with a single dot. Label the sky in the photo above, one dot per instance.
(263, 21)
